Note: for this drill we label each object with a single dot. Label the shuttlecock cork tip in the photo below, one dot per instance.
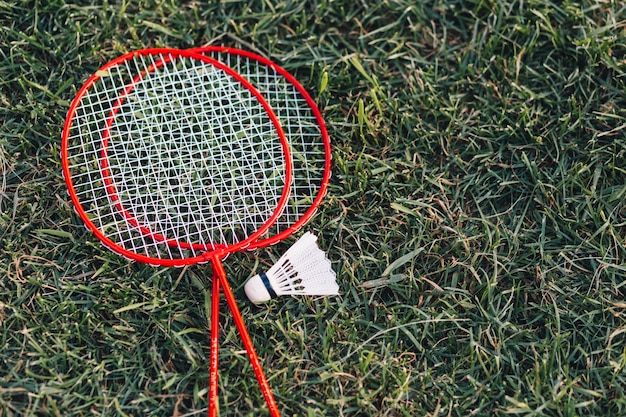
(259, 290)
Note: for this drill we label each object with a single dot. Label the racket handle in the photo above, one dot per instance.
(213, 368)
(245, 337)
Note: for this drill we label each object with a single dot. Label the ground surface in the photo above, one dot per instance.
(475, 217)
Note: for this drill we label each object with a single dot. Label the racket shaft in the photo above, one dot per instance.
(215, 323)
(245, 337)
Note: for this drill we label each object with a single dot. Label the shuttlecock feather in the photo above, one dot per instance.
(303, 270)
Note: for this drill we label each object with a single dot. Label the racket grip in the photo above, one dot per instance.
(245, 337)
(213, 367)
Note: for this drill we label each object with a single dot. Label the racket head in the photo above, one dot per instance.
(304, 127)
(171, 158)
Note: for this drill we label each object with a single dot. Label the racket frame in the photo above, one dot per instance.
(219, 250)
(323, 187)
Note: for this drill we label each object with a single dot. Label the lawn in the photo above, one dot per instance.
(476, 217)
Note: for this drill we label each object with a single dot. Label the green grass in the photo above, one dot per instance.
(476, 217)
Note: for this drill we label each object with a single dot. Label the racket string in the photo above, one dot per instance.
(301, 128)
(160, 150)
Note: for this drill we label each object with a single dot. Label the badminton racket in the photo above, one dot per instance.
(304, 128)
(172, 158)
(309, 144)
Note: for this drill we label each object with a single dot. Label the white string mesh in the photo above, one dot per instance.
(302, 129)
(171, 156)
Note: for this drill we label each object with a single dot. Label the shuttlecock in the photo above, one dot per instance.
(302, 270)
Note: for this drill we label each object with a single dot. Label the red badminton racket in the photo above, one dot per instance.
(304, 128)
(172, 158)
(309, 144)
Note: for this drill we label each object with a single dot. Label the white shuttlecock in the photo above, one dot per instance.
(302, 270)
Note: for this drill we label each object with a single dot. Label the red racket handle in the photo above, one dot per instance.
(245, 337)
(215, 333)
